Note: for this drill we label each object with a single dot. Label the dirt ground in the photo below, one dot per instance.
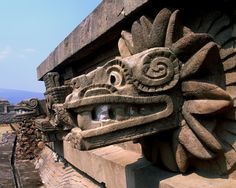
(4, 128)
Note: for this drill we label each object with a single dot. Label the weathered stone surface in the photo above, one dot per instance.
(130, 146)
(6, 150)
(28, 136)
(27, 175)
(56, 172)
(28, 139)
(204, 90)
(116, 167)
(169, 90)
(105, 165)
(172, 75)
(109, 14)
(195, 181)
(231, 78)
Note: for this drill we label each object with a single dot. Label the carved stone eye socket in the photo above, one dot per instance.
(115, 78)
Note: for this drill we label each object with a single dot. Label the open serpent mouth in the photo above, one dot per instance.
(94, 112)
(121, 112)
(23, 111)
(104, 120)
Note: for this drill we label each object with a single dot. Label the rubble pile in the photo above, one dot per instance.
(29, 142)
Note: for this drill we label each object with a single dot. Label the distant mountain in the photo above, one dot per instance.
(15, 96)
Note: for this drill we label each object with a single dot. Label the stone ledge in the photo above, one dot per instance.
(130, 146)
(105, 165)
(116, 167)
(91, 28)
(93, 33)
(119, 168)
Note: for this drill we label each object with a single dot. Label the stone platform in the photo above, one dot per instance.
(15, 173)
(6, 175)
(56, 172)
(27, 175)
(114, 167)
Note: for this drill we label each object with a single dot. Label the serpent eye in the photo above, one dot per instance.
(117, 73)
(115, 78)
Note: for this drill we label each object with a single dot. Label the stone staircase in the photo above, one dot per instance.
(55, 172)
(27, 175)
(6, 175)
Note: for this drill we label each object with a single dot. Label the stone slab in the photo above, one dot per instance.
(6, 173)
(119, 168)
(116, 167)
(195, 181)
(104, 165)
(130, 146)
(101, 20)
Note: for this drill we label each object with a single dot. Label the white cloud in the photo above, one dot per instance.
(25, 53)
(5, 53)
(21, 56)
(29, 50)
(8, 51)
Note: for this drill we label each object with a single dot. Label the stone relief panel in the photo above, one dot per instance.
(58, 121)
(172, 90)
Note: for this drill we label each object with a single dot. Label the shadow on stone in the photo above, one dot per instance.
(142, 174)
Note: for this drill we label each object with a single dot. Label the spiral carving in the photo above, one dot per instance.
(158, 70)
(33, 103)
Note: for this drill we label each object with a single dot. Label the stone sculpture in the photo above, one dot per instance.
(29, 108)
(172, 90)
(58, 121)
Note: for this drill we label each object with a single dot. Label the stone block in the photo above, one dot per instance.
(104, 165)
(119, 168)
(116, 167)
(110, 14)
(195, 181)
(143, 174)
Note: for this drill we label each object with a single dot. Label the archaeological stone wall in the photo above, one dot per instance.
(142, 94)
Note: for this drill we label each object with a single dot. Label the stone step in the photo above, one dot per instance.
(116, 166)
(27, 174)
(57, 173)
(6, 174)
(120, 168)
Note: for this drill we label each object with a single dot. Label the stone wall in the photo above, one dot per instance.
(29, 140)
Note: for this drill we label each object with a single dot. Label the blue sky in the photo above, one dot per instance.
(29, 31)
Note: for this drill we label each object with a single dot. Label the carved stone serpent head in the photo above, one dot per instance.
(28, 109)
(168, 90)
